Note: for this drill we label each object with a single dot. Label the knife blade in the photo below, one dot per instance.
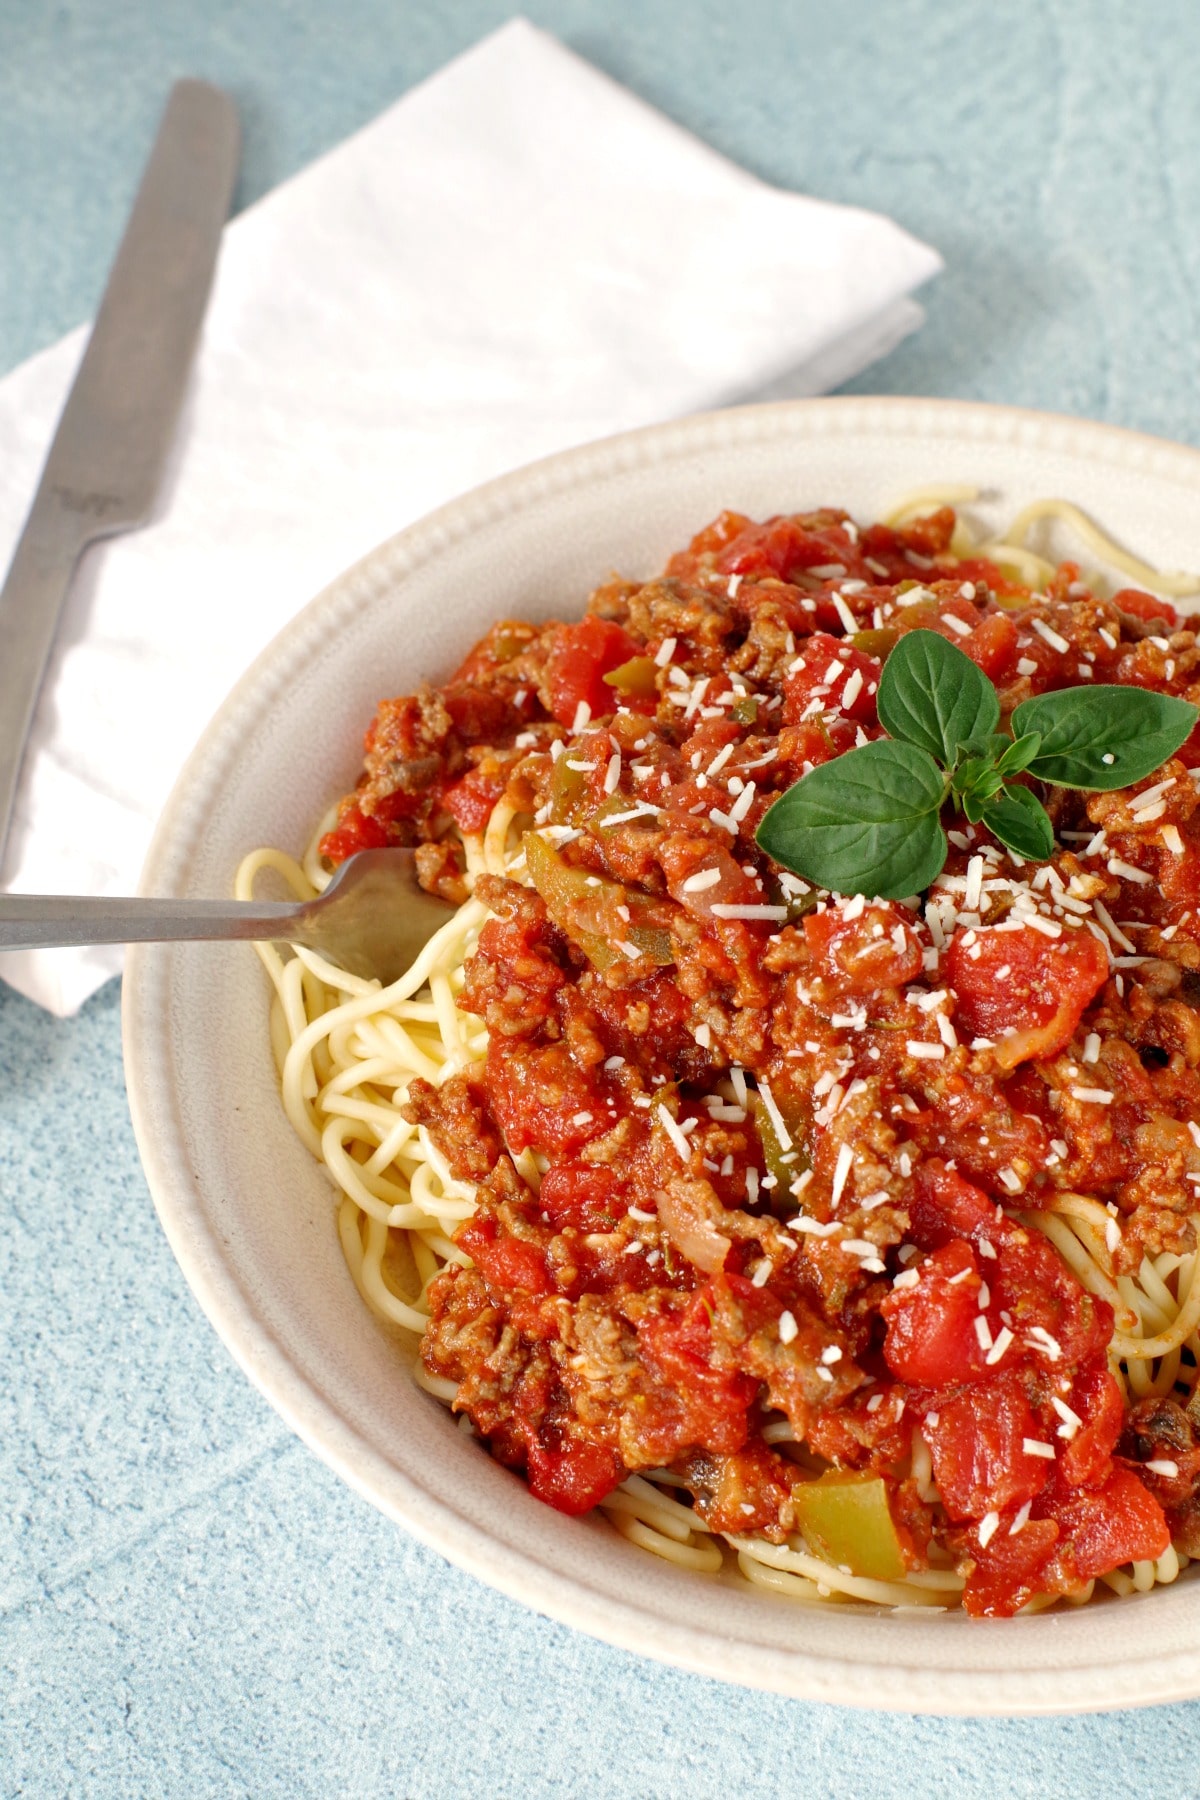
(105, 463)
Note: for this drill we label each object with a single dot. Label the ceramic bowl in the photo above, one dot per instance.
(249, 1216)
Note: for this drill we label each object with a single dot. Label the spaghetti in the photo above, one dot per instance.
(349, 1052)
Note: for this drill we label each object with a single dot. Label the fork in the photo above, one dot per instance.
(372, 920)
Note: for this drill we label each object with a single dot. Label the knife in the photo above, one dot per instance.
(107, 457)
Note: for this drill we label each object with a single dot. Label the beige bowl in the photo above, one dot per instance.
(250, 1216)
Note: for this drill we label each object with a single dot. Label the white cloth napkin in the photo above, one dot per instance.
(517, 256)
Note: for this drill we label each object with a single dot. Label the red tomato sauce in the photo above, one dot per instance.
(747, 1151)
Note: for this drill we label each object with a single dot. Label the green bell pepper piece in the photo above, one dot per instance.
(637, 676)
(846, 1520)
(584, 906)
(783, 1164)
(880, 642)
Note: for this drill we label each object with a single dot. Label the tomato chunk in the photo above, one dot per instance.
(580, 657)
(978, 1448)
(946, 1206)
(470, 802)
(877, 950)
(354, 831)
(1074, 1535)
(931, 1333)
(1009, 1571)
(993, 645)
(1053, 1318)
(581, 1194)
(1145, 606)
(707, 543)
(542, 1100)
(508, 1264)
(1024, 991)
(1118, 1523)
(1095, 1398)
(573, 1477)
(703, 1407)
(1052, 1313)
(830, 675)
(776, 547)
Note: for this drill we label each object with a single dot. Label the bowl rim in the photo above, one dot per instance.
(261, 1352)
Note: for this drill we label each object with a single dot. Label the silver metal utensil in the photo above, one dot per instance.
(372, 919)
(105, 463)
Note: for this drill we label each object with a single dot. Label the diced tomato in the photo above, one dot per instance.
(1189, 751)
(575, 1476)
(947, 613)
(776, 547)
(1007, 1570)
(1095, 1398)
(508, 1264)
(705, 545)
(931, 1335)
(708, 736)
(1031, 1282)
(1074, 1535)
(817, 740)
(471, 801)
(515, 952)
(541, 1099)
(580, 657)
(1028, 1279)
(931, 533)
(581, 1194)
(706, 1407)
(977, 1443)
(1180, 875)
(478, 714)
(828, 668)
(354, 831)
(1145, 606)
(860, 956)
(1103, 1528)
(985, 573)
(928, 537)
(993, 645)
(1023, 990)
(945, 1206)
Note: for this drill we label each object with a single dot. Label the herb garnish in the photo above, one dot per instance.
(869, 821)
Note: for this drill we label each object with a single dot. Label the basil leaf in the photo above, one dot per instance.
(1099, 738)
(979, 776)
(1020, 754)
(992, 745)
(865, 823)
(1018, 818)
(933, 696)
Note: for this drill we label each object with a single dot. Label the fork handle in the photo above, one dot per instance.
(62, 921)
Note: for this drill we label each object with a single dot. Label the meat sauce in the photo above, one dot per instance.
(745, 1150)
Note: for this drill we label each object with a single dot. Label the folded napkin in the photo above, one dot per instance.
(518, 256)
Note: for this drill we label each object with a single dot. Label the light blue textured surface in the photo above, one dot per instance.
(189, 1602)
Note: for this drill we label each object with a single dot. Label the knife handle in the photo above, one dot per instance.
(104, 466)
(31, 601)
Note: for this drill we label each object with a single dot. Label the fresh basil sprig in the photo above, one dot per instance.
(869, 822)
